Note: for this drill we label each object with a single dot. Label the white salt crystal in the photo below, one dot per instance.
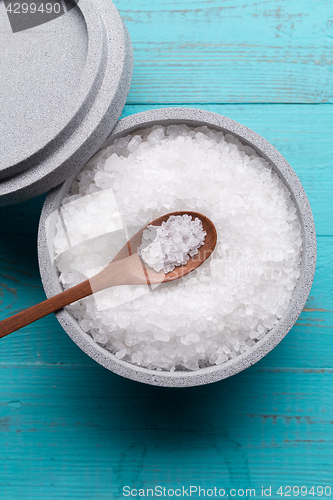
(169, 247)
(114, 163)
(230, 302)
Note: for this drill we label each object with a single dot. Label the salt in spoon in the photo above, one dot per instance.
(126, 268)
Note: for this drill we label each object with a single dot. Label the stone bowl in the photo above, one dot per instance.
(191, 117)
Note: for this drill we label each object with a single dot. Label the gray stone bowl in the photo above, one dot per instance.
(191, 117)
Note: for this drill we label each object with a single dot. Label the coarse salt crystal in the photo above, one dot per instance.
(170, 244)
(232, 300)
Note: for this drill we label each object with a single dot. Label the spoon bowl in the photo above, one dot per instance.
(153, 277)
(126, 268)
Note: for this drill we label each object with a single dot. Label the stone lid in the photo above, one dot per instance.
(63, 85)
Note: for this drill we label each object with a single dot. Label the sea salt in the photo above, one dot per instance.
(232, 300)
(172, 243)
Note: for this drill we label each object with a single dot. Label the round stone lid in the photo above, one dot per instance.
(65, 76)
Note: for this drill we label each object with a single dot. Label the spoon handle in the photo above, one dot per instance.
(49, 306)
(128, 271)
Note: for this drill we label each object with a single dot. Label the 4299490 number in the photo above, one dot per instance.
(295, 491)
(33, 8)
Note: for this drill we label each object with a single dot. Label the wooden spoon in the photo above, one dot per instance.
(126, 268)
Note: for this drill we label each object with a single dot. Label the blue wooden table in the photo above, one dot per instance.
(69, 429)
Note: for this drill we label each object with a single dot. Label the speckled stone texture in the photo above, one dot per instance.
(69, 86)
(192, 117)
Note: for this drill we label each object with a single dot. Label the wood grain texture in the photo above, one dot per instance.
(213, 51)
(88, 434)
(70, 429)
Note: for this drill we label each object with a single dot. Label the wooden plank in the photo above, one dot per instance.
(65, 438)
(214, 51)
